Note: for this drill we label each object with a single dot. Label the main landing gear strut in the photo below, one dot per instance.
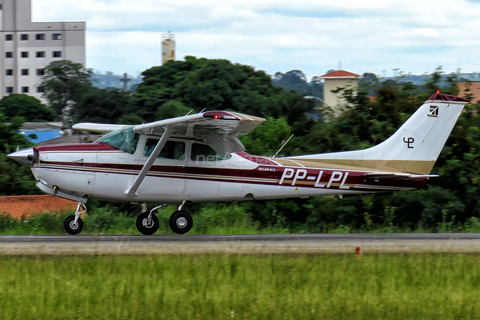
(180, 221)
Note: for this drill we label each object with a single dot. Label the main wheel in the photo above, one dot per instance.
(71, 227)
(147, 227)
(181, 222)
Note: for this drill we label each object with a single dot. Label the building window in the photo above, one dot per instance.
(8, 37)
(24, 89)
(40, 72)
(57, 36)
(9, 72)
(40, 36)
(9, 54)
(25, 72)
(24, 37)
(40, 89)
(57, 54)
(40, 54)
(9, 90)
(24, 54)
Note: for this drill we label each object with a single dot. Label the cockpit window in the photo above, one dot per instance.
(204, 153)
(123, 139)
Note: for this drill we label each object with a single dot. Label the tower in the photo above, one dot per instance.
(168, 47)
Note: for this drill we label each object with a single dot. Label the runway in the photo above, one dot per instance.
(239, 244)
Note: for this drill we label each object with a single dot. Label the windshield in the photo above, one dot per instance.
(123, 139)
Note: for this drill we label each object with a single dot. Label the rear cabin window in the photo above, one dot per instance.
(123, 139)
(172, 149)
(204, 153)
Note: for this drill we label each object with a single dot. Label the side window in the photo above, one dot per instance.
(203, 153)
(172, 149)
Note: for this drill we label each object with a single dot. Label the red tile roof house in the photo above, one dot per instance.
(26, 206)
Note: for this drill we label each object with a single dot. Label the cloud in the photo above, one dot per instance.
(371, 35)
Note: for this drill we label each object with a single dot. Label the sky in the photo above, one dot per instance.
(378, 36)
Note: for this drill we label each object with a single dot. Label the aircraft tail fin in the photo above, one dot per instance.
(414, 147)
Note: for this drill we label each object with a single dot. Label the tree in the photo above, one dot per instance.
(25, 106)
(215, 84)
(64, 83)
(292, 80)
(267, 138)
(15, 178)
(172, 109)
(157, 87)
(100, 105)
(130, 119)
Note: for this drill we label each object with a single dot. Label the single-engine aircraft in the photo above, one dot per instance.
(199, 158)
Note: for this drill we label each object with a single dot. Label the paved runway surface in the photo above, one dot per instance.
(239, 244)
(245, 237)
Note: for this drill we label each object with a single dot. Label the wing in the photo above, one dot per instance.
(397, 176)
(98, 127)
(219, 129)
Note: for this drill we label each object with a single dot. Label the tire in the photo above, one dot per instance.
(142, 225)
(72, 228)
(181, 222)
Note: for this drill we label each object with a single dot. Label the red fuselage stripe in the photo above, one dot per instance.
(309, 178)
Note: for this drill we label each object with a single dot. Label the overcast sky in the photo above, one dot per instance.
(314, 36)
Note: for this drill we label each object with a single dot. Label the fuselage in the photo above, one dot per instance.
(190, 170)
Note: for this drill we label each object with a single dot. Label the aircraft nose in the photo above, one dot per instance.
(24, 156)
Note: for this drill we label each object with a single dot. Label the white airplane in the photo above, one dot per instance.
(199, 158)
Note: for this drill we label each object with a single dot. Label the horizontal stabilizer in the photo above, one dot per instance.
(397, 176)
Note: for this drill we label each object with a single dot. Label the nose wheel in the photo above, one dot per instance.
(73, 224)
(72, 227)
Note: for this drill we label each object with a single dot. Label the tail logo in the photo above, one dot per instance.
(408, 141)
(433, 111)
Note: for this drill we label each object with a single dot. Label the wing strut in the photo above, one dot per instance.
(160, 144)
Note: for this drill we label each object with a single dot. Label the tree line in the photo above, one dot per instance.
(198, 84)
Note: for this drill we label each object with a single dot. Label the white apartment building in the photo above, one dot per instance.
(28, 47)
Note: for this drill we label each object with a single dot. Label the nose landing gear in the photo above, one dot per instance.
(73, 224)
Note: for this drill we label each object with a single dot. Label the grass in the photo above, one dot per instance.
(210, 219)
(428, 286)
(220, 219)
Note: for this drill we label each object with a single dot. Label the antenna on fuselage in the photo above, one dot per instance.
(192, 110)
(282, 146)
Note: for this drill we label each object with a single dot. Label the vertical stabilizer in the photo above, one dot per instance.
(421, 138)
(414, 147)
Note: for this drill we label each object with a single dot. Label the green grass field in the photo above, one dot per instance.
(429, 286)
